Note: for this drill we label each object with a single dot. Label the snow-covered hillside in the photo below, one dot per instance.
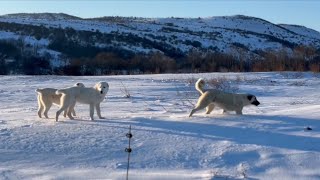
(302, 30)
(267, 142)
(223, 34)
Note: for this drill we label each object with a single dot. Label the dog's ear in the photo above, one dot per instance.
(96, 86)
(250, 97)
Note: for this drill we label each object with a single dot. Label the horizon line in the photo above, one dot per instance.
(183, 17)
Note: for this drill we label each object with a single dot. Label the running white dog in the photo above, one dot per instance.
(92, 96)
(47, 96)
(227, 101)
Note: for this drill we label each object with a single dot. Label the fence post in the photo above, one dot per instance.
(128, 150)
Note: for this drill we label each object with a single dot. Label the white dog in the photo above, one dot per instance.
(47, 96)
(226, 101)
(92, 96)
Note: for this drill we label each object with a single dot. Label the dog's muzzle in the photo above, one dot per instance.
(255, 103)
(101, 92)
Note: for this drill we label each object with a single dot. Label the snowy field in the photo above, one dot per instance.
(267, 142)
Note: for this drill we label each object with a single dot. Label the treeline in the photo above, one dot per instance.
(301, 59)
(18, 58)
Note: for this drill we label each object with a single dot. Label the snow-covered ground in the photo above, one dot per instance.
(267, 142)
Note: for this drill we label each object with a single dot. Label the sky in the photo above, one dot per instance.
(299, 12)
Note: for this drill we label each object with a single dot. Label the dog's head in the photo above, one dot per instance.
(253, 100)
(79, 84)
(102, 87)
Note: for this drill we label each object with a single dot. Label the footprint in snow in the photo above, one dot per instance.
(28, 125)
(4, 132)
(307, 128)
(121, 165)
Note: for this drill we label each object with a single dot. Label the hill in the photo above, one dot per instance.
(62, 37)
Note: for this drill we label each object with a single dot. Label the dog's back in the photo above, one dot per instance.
(75, 90)
(90, 95)
(225, 100)
(49, 94)
(46, 90)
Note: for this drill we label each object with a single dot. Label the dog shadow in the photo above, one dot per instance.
(218, 129)
(274, 132)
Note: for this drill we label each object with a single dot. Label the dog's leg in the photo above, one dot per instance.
(199, 106)
(69, 114)
(46, 104)
(64, 103)
(209, 108)
(58, 113)
(192, 111)
(46, 109)
(40, 106)
(239, 111)
(70, 109)
(203, 101)
(73, 111)
(98, 111)
(64, 113)
(91, 111)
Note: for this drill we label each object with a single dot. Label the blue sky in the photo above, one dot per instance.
(300, 12)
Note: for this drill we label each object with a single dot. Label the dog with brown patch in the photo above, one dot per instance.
(211, 98)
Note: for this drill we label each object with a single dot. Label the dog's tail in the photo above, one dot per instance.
(200, 85)
(39, 90)
(79, 84)
(60, 91)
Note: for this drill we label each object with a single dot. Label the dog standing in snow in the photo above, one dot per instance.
(47, 96)
(92, 96)
(226, 101)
